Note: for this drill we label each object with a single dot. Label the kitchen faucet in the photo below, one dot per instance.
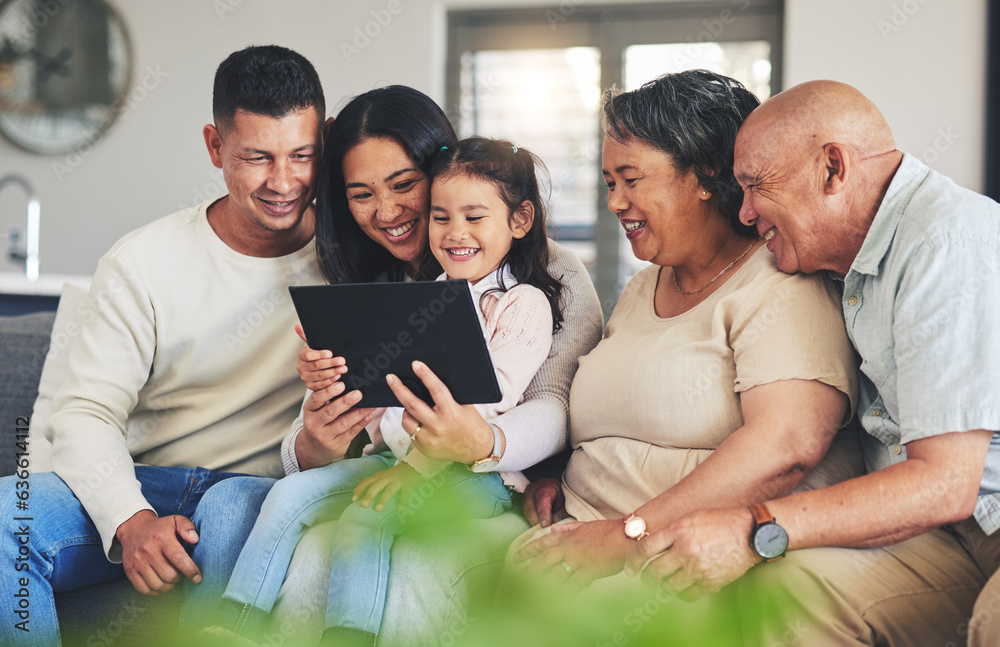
(30, 253)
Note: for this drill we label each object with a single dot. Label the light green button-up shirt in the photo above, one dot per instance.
(922, 307)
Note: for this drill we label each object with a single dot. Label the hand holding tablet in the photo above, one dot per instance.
(381, 328)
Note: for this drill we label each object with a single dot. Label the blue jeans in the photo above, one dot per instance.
(294, 504)
(62, 550)
(443, 578)
(361, 542)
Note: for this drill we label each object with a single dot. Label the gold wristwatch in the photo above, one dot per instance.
(635, 527)
(490, 462)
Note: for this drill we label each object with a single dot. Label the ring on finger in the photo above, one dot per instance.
(416, 431)
(569, 569)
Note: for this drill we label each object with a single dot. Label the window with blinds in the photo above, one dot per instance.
(536, 77)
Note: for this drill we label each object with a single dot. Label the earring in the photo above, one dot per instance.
(704, 192)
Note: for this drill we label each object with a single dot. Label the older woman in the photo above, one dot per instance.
(372, 213)
(720, 380)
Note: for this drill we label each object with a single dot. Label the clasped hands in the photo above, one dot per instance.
(153, 556)
(693, 557)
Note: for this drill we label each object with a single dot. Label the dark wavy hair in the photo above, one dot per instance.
(511, 170)
(266, 80)
(693, 117)
(411, 119)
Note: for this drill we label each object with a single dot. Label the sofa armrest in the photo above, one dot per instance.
(24, 341)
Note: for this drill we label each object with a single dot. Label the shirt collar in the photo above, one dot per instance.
(489, 282)
(908, 178)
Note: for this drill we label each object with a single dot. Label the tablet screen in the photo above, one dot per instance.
(380, 328)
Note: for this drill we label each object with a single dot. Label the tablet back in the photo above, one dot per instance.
(380, 328)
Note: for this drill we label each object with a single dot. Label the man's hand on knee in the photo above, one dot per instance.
(152, 553)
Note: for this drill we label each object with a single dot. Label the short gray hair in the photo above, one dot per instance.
(693, 117)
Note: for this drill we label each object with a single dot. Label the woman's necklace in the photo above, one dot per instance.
(716, 277)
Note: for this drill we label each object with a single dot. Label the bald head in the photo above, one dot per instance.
(816, 113)
(815, 161)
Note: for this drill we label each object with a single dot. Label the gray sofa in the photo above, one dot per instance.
(113, 613)
(105, 614)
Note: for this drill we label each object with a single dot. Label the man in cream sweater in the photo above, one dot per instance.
(184, 372)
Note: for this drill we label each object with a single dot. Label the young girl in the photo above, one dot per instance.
(487, 226)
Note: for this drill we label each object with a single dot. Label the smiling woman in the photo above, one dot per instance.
(372, 212)
(390, 209)
(684, 404)
(373, 191)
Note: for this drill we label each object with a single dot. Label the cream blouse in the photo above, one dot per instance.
(657, 395)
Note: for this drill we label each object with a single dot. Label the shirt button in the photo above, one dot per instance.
(877, 413)
(853, 301)
(897, 450)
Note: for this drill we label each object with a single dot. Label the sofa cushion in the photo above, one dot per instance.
(24, 341)
(114, 613)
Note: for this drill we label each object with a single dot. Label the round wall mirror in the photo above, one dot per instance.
(65, 67)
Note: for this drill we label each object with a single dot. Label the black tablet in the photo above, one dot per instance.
(381, 328)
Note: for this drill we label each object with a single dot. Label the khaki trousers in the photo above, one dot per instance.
(936, 589)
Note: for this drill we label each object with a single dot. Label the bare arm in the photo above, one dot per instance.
(940, 478)
(937, 484)
(788, 426)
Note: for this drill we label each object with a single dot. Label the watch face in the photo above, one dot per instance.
(635, 527)
(484, 466)
(770, 541)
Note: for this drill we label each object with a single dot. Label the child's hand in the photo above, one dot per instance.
(399, 478)
(318, 368)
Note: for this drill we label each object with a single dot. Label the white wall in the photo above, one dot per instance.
(922, 62)
(927, 76)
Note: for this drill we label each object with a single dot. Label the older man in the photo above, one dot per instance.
(920, 262)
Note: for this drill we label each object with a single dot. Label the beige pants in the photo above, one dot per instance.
(922, 591)
(984, 624)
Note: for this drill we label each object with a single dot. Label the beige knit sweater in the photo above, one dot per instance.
(186, 357)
